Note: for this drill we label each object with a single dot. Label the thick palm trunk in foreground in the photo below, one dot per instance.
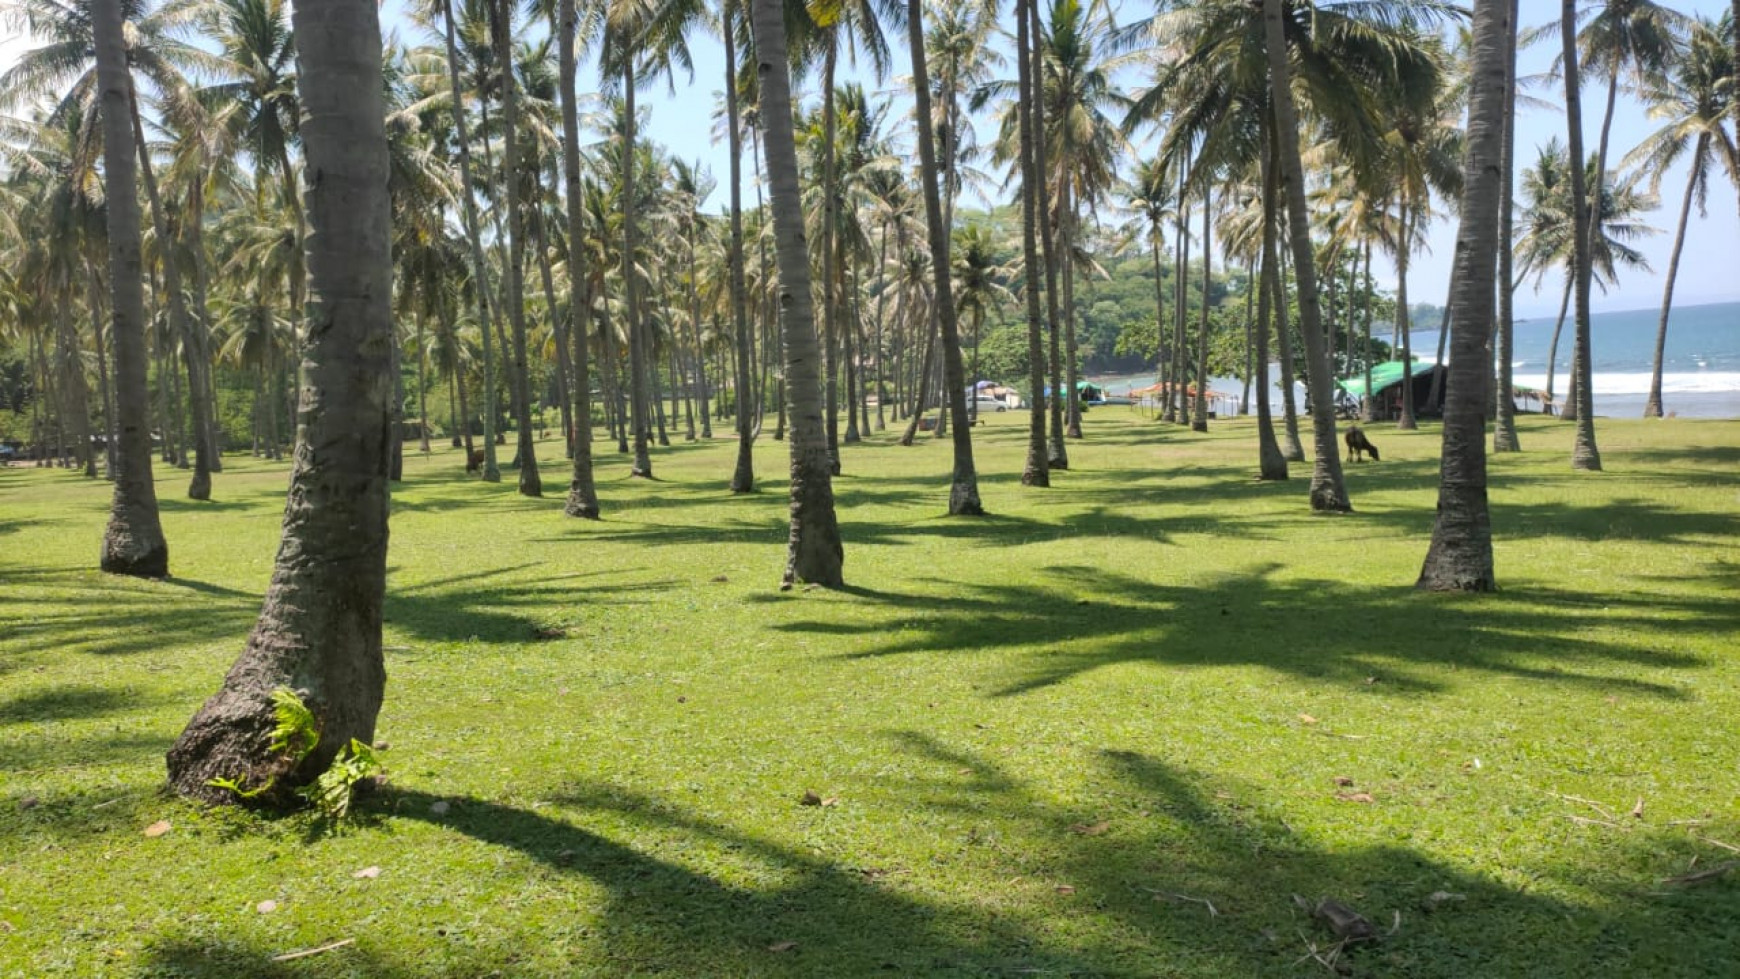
(319, 634)
(1327, 490)
(1460, 558)
(133, 544)
(814, 553)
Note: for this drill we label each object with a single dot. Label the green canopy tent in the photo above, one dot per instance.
(1386, 382)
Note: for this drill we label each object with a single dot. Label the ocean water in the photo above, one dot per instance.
(1700, 366)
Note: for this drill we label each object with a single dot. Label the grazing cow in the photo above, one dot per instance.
(474, 462)
(1358, 445)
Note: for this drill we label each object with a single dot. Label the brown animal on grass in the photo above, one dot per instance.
(474, 462)
(1358, 445)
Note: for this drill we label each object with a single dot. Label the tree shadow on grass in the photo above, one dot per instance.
(1117, 885)
(489, 605)
(1083, 619)
(67, 703)
(85, 611)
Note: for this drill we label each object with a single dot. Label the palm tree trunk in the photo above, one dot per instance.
(830, 261)
(192, 351)
(94, 304)
(814, 553)
(926, 369)
(1652, 407)
(1460, 557)
(76, 394)
(637, 354)
(396, 413)
(1057, 455)
(527, 452)
(743, 473)
(1327, 491)
(133, 542)
(1157, 240)
(1291, 447)
(1504, 437)
(1407, 421)
(200, 318)
(1072, 394)
(1584, 454)
(964, 492)
(1250, 329)
(1271, 461)
(1201, 422)
(319, 634)
(558, 331)
(1180, 315)
(474, 237)
(1368, 410)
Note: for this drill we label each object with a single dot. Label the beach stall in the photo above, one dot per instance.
(1386, 384)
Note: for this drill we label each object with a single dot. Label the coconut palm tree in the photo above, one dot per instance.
(490, 471)
(964, 489)
(1036, 471)
(1460, 556)
(1548, 240)
(814, 553)
(1327, 489)
(133, 543)
(582, 493)
(319, 634)
(1692, 105)
(1504, 435)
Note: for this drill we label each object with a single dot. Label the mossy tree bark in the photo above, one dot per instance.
(319, 634)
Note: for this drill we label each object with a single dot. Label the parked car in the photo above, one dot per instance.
(990, 404)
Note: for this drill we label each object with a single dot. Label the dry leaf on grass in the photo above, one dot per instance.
(1355, 797)
(1093, 829)
(439, 808)
(1307, 718)
(157, 828)
(782, 946)
(266, 907)
(1065, 889)
(367, 873)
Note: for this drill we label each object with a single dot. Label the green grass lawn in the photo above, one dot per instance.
(1039, 732)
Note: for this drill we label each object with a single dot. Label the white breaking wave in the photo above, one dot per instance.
(1695, 382)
